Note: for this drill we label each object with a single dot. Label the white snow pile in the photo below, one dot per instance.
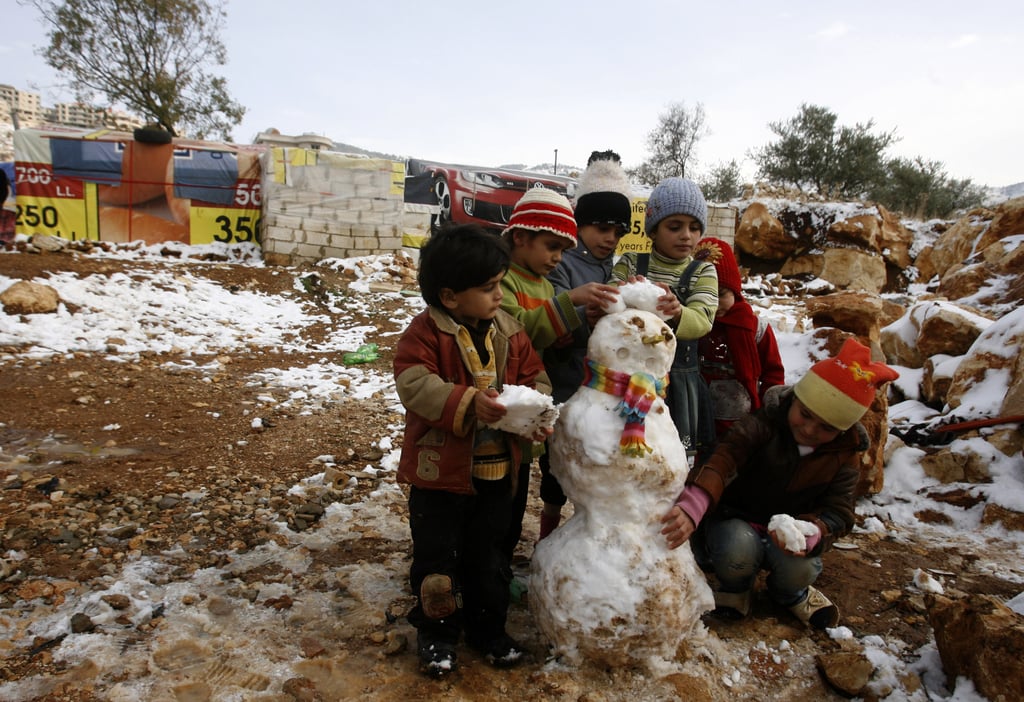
(792, 532)
(639, 295)
(528, 411)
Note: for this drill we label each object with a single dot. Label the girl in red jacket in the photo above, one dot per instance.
(739, 357)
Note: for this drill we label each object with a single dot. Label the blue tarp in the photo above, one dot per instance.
(98, 161)
(209, 176)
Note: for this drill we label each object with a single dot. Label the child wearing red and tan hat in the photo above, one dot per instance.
(739, 357)
(791, 466)
(543, 227)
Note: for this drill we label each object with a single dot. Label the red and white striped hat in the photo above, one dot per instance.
(544, 210)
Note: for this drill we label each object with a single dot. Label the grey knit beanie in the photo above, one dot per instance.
(674, 196)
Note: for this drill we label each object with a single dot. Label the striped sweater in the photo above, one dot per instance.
(699, 307)
(531, 299)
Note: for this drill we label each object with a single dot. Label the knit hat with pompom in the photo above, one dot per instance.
(543, 210)
(840, 390)
(604, 195)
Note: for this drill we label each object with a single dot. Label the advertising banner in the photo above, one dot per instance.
(102, 185)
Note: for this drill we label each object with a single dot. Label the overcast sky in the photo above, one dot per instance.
(467, 82)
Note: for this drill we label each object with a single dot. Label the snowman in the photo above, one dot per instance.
(605, 587)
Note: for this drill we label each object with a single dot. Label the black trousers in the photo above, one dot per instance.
(461, 536)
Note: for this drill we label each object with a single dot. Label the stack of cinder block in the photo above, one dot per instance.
(322, 204)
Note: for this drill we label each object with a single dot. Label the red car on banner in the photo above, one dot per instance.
(473, 194)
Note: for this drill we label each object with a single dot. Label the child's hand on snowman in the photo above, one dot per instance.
(678, 527)
(597, 294)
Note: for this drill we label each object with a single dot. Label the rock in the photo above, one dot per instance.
(937, 377)
(117, 602)
(947, 328)
(26, 297)
(855, 312)
(81, 623)
(996, 352)
(982, 639)
(1007, 517)
(47, 243)
(761, 235)
(847, 671)
(301, 690)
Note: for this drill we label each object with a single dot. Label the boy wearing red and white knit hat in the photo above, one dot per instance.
(542, 227)
(778, 490)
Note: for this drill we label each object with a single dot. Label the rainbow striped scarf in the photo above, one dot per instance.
(638, 392)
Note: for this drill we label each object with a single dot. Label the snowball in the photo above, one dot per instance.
(791, 532)
(528, 411)
(641, 295)
(926, 583)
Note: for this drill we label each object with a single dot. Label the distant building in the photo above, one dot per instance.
(307, 140)
(22, 109)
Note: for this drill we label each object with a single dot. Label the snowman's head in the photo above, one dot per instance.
(633, 341)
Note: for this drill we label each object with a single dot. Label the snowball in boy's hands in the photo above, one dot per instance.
(640, 294)
(791, 533)
(528, 412)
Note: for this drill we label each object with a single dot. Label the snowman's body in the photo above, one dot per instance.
(605, 586)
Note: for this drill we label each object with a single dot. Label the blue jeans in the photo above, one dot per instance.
(737, 552)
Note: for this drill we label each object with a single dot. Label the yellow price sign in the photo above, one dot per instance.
(636, 240)
(61, 217)
(227, 225)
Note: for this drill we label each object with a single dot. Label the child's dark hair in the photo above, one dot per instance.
(459, 257)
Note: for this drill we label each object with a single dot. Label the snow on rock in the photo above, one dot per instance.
(528, 410)
(605, 587)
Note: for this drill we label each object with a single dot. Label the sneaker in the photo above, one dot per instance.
(437, 658)
(732, 605)
(816, 610)
(501, 652)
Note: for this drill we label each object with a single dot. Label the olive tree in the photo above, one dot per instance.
(151, 57)
(672, 144)
(815, 154)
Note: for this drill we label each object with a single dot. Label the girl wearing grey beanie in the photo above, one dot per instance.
(675, 218)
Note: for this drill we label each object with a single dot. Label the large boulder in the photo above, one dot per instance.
(930, 328)
(880, 232)
(981, 639)
(993, 362)
(975, 232)
(26, 297)
(762, 235)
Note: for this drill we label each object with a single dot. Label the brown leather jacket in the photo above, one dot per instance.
(757, 471)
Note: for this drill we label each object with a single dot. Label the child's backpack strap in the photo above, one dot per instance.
(684, 280)
(643, 262)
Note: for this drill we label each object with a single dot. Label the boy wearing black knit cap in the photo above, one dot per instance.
(604, 210)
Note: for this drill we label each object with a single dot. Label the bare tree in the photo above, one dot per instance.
(148, 56)
(673, 143)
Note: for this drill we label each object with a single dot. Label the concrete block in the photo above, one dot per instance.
(307, 251)
(317, 238)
